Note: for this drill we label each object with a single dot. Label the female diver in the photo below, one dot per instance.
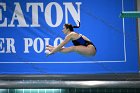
(82, 44)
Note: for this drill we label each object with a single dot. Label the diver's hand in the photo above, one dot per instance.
(50, 53)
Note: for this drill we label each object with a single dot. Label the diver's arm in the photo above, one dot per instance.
(59, 47)
(85, 38)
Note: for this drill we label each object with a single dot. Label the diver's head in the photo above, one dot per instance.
(67, 28)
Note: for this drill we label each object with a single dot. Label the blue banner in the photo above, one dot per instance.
(26, 27)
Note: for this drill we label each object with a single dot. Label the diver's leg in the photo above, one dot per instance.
(68, 49)
(88, 51)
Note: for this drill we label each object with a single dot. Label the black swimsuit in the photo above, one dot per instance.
(81, 41)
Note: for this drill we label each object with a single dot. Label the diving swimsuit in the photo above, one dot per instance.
(81, 41)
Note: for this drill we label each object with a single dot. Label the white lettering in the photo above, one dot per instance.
(4, 24)
(18, 15)
(70, 7)
(10, 45)
(35, 12)
(1, 45)
(35, 9)
(36, 45)
(56, 43)
(28, 43)
(59, 14)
